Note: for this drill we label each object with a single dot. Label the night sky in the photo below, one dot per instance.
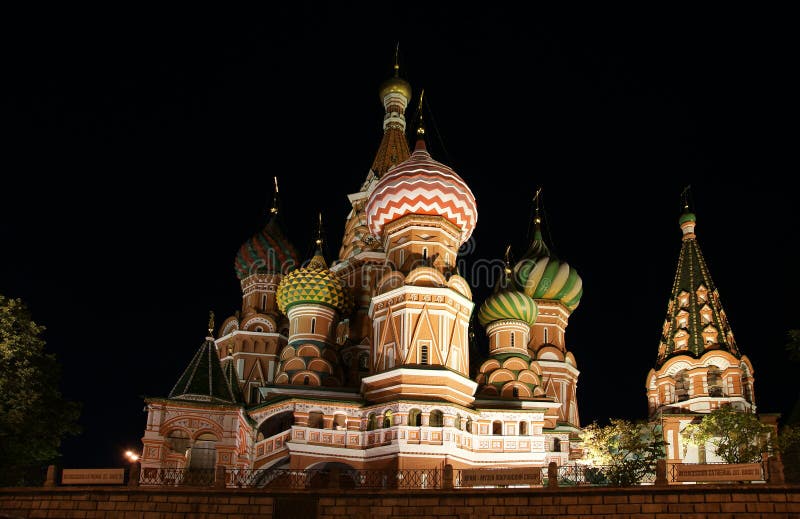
(139, 152)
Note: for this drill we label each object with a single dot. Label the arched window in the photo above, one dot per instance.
(436, 418)
(423, 355)
(264, 302)
(363, 362)
(424, 253)
(414, 418)
(315, 420)
(515, 392)
(681, 386)
(371, 422)
(546, 339)
(497, 427)
(714, 382)
(387, 419)
(389, 361)
(178, 441)
(305, 380)
(523, 428)
(556, 445)
(313, 324)
(276, 424)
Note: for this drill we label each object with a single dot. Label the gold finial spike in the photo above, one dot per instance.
(685, 197)
(274, 208)
(508, 259)
(318, 241)
(420, 125)
(397, 60)
(211, 323)
(536, 198)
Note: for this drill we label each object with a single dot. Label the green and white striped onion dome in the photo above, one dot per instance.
(508, 304)
(542, 276)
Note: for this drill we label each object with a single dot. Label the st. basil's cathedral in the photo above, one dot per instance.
(364, 361)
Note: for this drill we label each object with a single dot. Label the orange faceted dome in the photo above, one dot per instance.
(421, 185)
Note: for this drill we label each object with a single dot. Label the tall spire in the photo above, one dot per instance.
(696, 321)
(538, 248)
(395, 94)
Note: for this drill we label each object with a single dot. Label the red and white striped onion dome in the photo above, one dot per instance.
(421, 185)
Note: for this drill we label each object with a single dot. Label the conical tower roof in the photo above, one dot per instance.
(203, 379)
(229, 369)
(696, 321)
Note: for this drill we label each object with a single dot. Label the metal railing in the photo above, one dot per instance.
(276, 478)
(599, 475)
(176, 477)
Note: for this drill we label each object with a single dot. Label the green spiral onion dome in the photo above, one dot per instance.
(313, 284)
(543, 276)
(508, 304)
(268, 251)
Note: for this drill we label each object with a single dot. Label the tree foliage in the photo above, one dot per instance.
(793, 346)
(737, 436)
(33, 415)
(623, 451)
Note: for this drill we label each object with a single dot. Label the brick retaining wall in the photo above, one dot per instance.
(688, 501)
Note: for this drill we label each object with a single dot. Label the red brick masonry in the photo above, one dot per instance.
(687, 501)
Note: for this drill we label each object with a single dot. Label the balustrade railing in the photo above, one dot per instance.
(276, 478)
(346, 478)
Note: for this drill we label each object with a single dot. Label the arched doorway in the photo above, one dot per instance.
(201, 460)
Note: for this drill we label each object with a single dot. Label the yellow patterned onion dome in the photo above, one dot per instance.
(421, 186)
(395, 84)
(508, 304)
(543, 276)
(313, 284)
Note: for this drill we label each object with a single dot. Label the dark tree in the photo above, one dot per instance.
(34, 417)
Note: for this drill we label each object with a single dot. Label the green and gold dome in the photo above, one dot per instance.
(508, 304)
(541, 275)
(313, 284)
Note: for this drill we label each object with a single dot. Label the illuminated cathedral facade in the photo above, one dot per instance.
(363, 361)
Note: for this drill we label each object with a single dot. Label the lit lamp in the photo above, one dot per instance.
(133, 474)
(132, 456)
